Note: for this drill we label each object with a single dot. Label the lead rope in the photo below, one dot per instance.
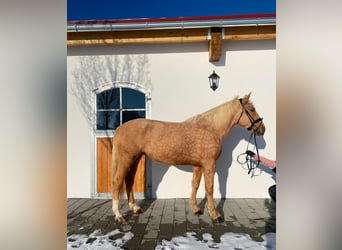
(250, 163)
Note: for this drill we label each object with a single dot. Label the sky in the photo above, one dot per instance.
(80, 10)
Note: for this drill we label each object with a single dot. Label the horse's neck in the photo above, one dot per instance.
(222, 118)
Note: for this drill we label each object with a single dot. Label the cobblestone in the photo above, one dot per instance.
(166, 218)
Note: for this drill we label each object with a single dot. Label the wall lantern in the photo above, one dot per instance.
(214, 80)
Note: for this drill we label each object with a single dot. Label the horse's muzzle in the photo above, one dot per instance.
(260, 130)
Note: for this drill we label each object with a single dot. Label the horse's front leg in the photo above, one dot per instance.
(196, 180)
(208, 172)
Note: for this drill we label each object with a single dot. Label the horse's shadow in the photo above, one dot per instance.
(223, 164)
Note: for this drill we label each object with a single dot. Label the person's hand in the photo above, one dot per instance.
(264, 161)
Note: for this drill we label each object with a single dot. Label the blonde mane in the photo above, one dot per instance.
(217, 116)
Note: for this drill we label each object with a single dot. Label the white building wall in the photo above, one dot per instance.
(177, 75)
(78, 151)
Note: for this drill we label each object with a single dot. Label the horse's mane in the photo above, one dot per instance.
(217, 114)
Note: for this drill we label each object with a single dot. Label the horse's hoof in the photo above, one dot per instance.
(121, 219)
(198, 212)
(219, 219)
(138, 211)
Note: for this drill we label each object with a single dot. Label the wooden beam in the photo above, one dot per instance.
(250, 33)
(136, 37)
(215, 45)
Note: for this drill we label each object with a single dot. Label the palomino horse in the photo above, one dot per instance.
(196, 141)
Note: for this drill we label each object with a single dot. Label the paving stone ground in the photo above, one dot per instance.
(164, 219)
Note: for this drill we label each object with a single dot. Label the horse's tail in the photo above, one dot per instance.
(115, 168)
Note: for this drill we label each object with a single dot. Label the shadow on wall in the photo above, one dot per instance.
(223, 164)
(240, 45)
(91, 72)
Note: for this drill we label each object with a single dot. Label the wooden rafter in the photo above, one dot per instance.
(215, 45)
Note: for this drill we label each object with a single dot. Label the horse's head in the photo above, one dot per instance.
(249, 118)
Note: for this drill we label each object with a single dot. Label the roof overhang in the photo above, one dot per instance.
(170, 30)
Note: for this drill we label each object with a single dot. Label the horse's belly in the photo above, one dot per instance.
(173, 154)
(173, 160)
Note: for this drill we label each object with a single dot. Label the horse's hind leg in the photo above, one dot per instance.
(129, 189)
(196, 180)
(119, 174)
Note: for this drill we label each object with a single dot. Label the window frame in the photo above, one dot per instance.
(120, 85)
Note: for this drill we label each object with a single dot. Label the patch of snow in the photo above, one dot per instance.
(115, 240)
(96, 241)
(228, 241)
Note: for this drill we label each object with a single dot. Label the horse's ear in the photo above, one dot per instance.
(246, 98)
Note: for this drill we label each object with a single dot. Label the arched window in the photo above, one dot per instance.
(118, 105)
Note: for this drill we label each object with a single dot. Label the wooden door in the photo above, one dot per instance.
(104, 168)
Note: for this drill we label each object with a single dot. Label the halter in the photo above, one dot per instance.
(253, 122)
(249, 161)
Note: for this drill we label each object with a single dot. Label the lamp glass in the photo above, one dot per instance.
(214, 80)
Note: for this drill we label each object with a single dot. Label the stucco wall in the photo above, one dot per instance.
(177, 75)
